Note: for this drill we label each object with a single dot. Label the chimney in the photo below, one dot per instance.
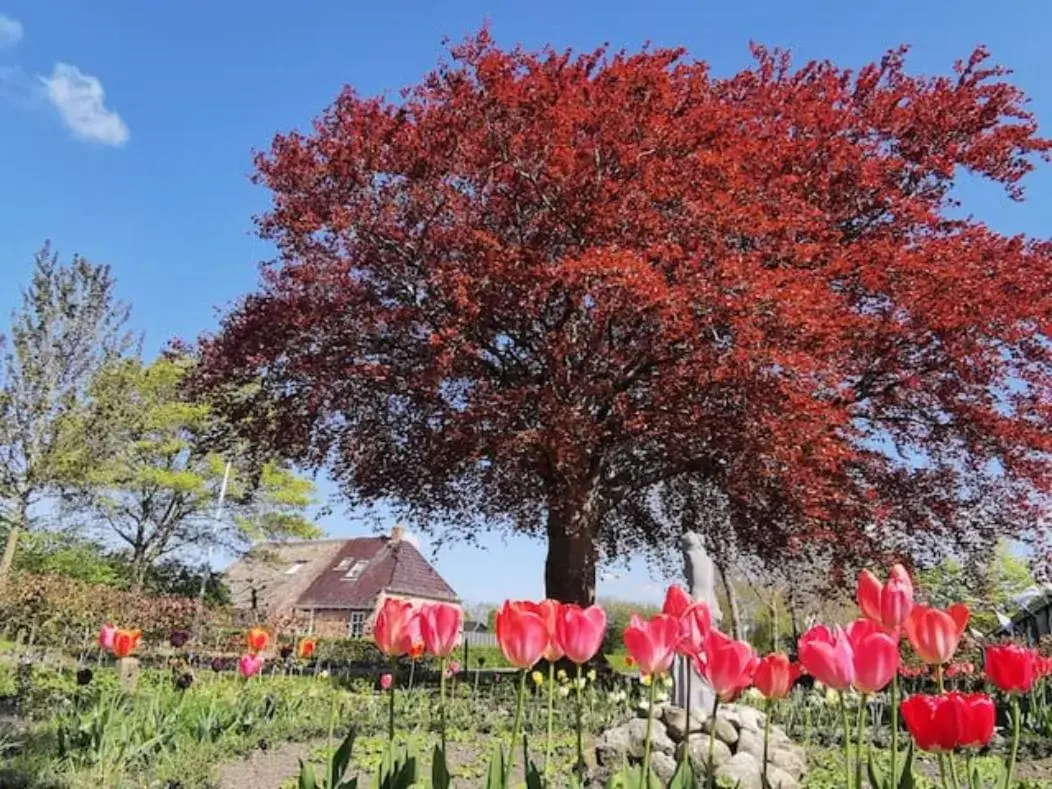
(397, 532)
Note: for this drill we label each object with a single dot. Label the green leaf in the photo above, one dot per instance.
(307, 778)
(906, 777)
(440, 777)
(341, 759)
(684, 778)
(876, 778)
(495, 774)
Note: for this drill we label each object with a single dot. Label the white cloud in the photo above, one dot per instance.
(10, 31)
(81, 101)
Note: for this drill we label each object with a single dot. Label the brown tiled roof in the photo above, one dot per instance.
(396, 567)
(265, 569)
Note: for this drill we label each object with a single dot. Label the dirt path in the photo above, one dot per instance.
(266, 769)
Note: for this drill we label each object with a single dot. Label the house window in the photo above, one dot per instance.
(343, 565)
(357, 624)
(294, 568)
(356, 570)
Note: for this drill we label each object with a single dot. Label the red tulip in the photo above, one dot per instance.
(1011, 668)
(257, 639)
(728, 665)
(440, 625)
(106, 634)
(548, 611)
(396, 630)
(775, 676)
(977, 728)
(249, 665)
(827, 656)
(305, 648)
(579, 632)
(934, 634)
(950, 720)
(876, 656)
(652, 643)
(677, 601)
(125, 642)
(386, 680)
(522, 634)
(889, 604)
(694, 626)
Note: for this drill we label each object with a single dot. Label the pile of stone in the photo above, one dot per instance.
(738, 746)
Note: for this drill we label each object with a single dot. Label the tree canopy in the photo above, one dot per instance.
(147, 472)
(543, 286)
(68, 325)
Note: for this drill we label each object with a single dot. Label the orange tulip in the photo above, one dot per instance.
(125, 642)
(257, 639)
(934, 634)
(775, 676)
(305, 648)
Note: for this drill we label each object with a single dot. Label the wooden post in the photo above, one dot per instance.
(128, 670)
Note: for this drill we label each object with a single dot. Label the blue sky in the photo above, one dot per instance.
(126, 131)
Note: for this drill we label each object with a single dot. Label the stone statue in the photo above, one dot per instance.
(701, 580)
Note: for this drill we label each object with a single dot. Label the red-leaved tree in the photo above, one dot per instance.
(547, 291)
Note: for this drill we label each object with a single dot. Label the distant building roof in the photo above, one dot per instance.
(339, 574)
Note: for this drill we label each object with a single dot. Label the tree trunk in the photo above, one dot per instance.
(570, 569)
(732, 602)
(139, 565)
(13, 536)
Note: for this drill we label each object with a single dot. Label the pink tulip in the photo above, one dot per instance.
(440, 625)
(548, 610)
(694, 627)
(386, 680)
(876, 656)
(106, 635)
(396, 630)
(827, 656)
(889, 604)
(652, 644)
(249, 665)
(579, 632)
(677, 601)
(522, 634)
(729, 665)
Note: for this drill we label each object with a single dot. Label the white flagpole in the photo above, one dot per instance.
(206, 570)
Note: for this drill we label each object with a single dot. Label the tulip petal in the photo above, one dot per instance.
(869, 590)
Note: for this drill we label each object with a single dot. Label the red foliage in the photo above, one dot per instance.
(543, 284)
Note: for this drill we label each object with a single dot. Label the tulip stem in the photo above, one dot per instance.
(768, 709)
(650, 728)
(947, 758)
(551, 720)
(895, 729)
(712, 742)
(847, 738)
(861, 728)
(391, 704)
(442, 705)
(969, 774)
(579, 768)
(517, 727)
(1015, 741)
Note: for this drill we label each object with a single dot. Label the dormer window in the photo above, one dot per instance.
(356, 569)
(342, 566)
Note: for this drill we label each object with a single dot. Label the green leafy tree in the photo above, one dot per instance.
(149, 471)
(69, 325)
(988, 581)
(49, 553)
